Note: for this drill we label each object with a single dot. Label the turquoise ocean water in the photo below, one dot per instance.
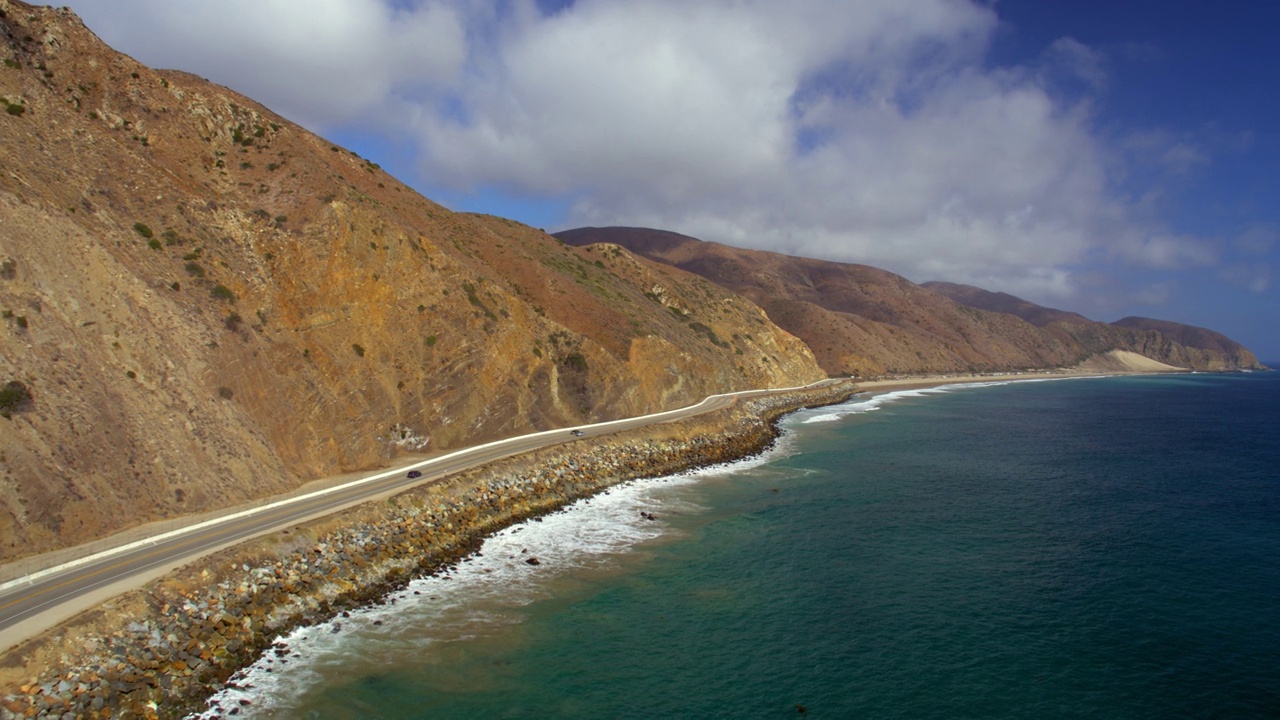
(1065, 549)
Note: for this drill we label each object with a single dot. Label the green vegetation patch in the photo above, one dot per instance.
(14, 397)
(709, 333)
(575, 361)
(475, 300)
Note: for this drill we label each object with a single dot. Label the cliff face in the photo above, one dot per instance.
(204, 303)
(1172, 343)
(1201, 347)
(864, 321)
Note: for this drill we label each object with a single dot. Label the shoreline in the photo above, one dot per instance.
(163, 649)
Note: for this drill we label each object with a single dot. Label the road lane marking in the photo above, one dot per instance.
(276, 514)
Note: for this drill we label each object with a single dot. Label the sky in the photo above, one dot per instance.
(1109, 158)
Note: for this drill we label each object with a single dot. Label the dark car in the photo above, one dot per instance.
(576, 433)
(415, 473)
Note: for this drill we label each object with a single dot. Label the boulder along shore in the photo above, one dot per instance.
(161, 651)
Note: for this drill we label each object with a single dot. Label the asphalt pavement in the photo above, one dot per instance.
(36, 602)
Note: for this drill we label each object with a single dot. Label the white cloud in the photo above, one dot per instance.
(867, 132)
(1070, 58)
(322, 64)
(1254, 277)
(1257, 240)
(1166, 252)
(1155, 293)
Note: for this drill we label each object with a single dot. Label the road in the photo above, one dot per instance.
(32, 604)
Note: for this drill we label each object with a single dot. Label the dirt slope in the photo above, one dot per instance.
(204, 303)
(865, 321)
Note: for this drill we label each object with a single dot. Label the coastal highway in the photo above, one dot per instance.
(31, 604)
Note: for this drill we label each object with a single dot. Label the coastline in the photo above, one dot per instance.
(162, 650)
(932, 381)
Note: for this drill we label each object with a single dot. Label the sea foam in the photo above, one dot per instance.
(478, 596)
(865, 402)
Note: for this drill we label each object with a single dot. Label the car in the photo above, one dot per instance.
(576, 433)
(415, 473)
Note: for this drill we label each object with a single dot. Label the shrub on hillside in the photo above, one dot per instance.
(14, 397)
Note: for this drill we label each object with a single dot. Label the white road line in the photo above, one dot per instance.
(154, 539)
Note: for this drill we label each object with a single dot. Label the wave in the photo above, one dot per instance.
(862, 403)
(482, 594)
(865, 402)
(478, 596)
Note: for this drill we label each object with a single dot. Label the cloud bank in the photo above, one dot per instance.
(876, 131)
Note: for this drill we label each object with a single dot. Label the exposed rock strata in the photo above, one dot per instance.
(209, 304)
(865, 321)
(161, 650)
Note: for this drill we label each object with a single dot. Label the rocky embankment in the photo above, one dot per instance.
(162, 650)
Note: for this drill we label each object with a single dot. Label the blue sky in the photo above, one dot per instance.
(1108, 158)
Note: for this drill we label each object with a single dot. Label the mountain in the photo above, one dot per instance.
(861, 320)
(1208, 344)
(204, 304)
(974, 297)
(1169, 342)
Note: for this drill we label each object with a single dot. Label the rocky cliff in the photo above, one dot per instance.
(201, 304)
(1172, 343)
(204, 303)
(861, 320)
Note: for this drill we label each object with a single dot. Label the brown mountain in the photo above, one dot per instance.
(1168, 342)
(204, 303)
(974, 297)
(864, 321)
(1207, 343)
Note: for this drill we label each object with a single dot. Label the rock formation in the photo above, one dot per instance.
(861, 320)
(207, 304)
(202, 304)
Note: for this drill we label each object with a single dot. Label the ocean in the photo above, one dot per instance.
(1103, 547)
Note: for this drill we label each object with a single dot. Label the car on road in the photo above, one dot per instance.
(576, 433)
(415, 473)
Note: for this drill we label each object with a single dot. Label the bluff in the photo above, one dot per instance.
(203, 304)
(1165, 341)
(860, 320)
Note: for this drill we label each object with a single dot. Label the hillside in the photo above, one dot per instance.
(865, 321)
(1160, 340)
(973, 297)
(204, 303)
(1209, 343)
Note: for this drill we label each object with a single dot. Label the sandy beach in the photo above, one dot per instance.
(1116, 362)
